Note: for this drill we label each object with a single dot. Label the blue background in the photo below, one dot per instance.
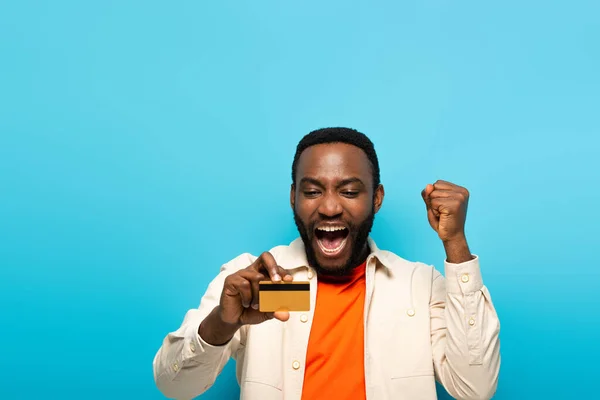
(144, 143)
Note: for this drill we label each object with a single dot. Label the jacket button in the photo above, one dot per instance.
(303, 318)
(410, 312)
(295, 365)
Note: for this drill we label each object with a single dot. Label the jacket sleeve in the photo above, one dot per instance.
(186, 366)
(464, 332)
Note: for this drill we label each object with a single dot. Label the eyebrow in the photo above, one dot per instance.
(342, 183)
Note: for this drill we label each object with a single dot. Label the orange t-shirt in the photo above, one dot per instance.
(335, 367)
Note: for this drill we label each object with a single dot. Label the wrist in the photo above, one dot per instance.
(455, 241)
(214, 331)
(457, 250)
(218, 311)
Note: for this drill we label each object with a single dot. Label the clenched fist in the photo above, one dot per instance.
(446, 209)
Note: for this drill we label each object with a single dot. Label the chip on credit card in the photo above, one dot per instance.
(283, 296)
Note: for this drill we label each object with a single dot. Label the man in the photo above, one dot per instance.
(380, 327)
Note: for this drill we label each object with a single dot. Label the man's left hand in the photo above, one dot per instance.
(446, 209)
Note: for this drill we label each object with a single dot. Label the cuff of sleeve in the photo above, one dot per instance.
(195, 346)
(464, 277)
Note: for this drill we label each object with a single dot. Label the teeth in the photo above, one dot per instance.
(331, 228)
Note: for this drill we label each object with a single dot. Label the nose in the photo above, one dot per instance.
(330, 206)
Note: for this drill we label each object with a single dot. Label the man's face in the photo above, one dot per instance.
(334, 205)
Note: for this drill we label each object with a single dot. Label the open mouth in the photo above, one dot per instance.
(332, 239)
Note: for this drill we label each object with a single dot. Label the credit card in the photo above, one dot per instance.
(283, 296)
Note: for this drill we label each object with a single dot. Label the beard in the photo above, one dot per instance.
(358, 235)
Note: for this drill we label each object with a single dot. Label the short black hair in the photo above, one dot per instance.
(339, 135)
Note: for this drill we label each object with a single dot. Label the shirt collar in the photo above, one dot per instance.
(295, 257)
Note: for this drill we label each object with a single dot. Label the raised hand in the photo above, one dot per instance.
(446, 209)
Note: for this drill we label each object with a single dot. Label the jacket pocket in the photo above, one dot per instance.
(251, 390)
(412, 374)
(418, 385)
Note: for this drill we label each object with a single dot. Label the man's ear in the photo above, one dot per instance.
(293, 196)
(378, 198)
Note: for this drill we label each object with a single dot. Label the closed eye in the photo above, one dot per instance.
(311, 193)
(348, 193)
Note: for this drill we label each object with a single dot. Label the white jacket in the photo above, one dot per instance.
(418, 327)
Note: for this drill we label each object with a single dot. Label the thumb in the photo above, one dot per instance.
(281, 315)
(425, 194)
(433, 220)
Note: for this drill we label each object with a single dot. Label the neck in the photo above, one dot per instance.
(363, 254)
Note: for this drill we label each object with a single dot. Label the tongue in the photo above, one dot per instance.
(332, 240)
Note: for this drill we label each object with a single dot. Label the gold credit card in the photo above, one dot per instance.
(283, 296)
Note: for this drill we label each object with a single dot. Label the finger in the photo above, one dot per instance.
(425, 194)
(244, 289)
(268, 263)
(281, 315)
(427, 191)
(436, 204)
(444, 185)
(441, 193)
(268, 315)
(455, 196)
(254, 278)
(433, 220)
(445, 205)
(285, 274)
